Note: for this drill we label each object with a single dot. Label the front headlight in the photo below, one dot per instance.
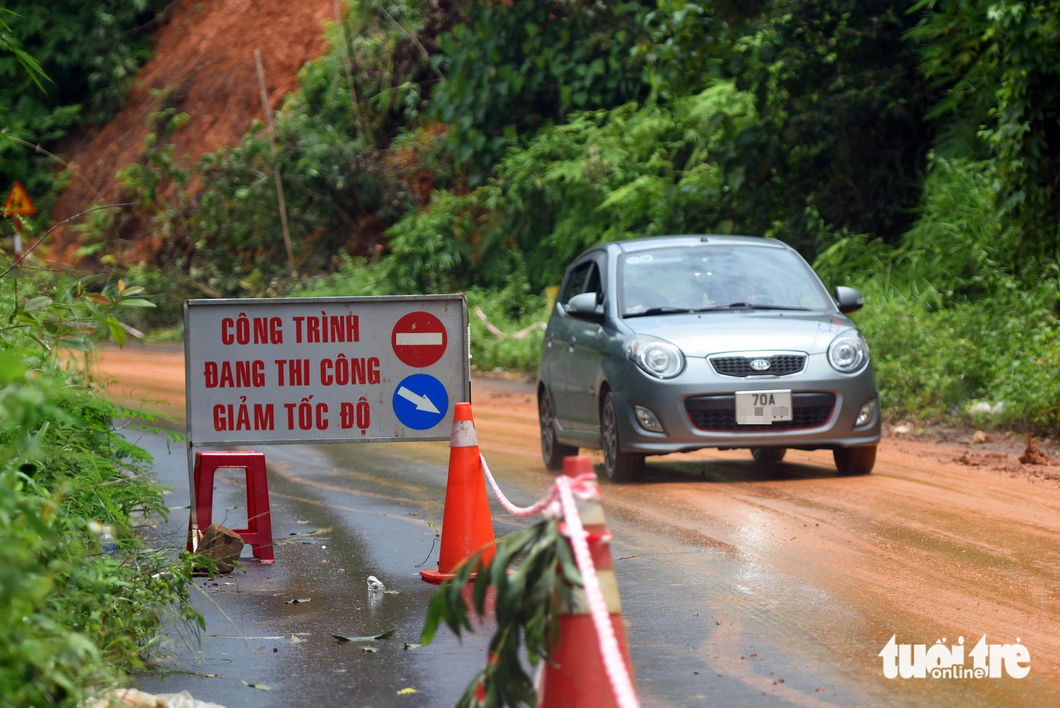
(655, 356)
(848, 353)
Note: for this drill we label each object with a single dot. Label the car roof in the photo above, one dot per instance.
(650, 242)
(641, 244)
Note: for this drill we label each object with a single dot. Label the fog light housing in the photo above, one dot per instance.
(866, 413)
(647, 419)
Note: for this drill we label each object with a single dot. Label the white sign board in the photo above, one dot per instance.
(324, 370)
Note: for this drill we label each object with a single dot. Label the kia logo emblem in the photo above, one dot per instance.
(760, 364)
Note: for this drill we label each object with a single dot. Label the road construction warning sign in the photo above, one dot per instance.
(324, 370)
(18, 202)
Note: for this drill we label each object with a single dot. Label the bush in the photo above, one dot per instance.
(71, 617)
(636, 170)
(952, 321)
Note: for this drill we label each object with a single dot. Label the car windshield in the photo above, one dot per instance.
(708, 277)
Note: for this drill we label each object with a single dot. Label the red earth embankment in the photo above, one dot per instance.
(204, 56)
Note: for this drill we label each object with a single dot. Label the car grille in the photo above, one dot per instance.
(740, 366)
(809, 410)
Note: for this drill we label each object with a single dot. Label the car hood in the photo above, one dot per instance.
(716, 332)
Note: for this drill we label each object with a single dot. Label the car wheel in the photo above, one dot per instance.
(768, 455)
(552, 451)
(854, 460)
(619, 466)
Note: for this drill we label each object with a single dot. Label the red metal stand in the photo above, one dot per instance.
(259, 525)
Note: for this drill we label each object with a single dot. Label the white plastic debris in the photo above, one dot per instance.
(375, 585)
(133, 698)
(986, 408)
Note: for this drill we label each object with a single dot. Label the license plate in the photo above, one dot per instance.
(763, 407)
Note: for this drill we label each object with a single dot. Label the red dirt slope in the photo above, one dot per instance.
(205, 54)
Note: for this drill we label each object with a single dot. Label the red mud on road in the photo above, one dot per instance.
(940, 537)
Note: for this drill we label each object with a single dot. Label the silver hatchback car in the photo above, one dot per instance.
(677, 343)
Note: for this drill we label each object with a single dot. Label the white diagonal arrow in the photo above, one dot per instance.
(422, 403)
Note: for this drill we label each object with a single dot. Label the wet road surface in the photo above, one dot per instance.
(732, 577)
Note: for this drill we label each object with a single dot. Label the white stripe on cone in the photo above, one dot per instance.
(463, 434)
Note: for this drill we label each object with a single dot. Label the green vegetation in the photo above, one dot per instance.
(64, 64)
(81, 597)
(72, 617)
(910, 150)
(952, 320)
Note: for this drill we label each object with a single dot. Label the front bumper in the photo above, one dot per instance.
(668, 401)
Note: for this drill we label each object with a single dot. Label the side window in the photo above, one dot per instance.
(581, 277)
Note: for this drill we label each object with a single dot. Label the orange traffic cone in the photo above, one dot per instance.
(466, 522)
(575, 675)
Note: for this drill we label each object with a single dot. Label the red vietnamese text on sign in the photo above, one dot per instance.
(419, 339)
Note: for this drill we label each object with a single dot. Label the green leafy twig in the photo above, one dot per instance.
(526, 607)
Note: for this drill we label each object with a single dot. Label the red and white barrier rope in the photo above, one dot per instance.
(560, 501)
(520, 511)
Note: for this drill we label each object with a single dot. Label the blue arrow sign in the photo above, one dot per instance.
(420, 401)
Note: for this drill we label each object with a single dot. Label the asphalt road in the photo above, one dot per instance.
(739, 586)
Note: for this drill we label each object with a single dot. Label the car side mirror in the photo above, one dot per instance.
(848, 299)
(584, 307)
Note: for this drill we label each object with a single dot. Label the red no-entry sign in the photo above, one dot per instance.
(419, 339)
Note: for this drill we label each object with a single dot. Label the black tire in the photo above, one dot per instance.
(552, 450)
(620, 467)
(851, 461)
(768, 455)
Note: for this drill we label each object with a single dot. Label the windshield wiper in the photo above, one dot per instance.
(667, 310)
(658, 311)
(749, 306)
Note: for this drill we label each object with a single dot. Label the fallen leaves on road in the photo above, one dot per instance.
(259, 686)
(342, 640)
(295, 537)
(296, 640)
(406, 691)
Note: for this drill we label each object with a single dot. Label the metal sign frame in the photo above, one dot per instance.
(464, 371)
(412, 299)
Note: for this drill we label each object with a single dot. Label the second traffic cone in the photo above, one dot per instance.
(574, 675)
(466, 522)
